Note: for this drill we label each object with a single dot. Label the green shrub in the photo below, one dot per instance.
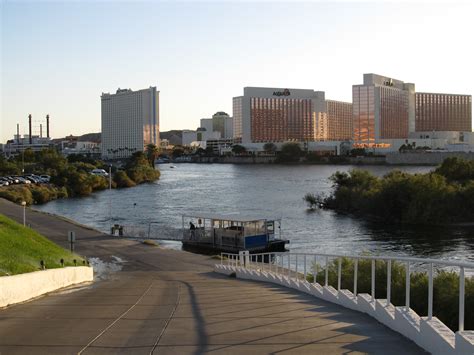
(400, 197)
(122, 180)
(17, 194)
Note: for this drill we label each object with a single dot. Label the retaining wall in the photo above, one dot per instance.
(20, 288)
(424, 158)
(430, 334)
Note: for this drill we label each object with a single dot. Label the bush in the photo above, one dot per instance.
(313, 201)
(17, 194)
(33, 194)
(122, 180)
(400, 197)
(290, 153)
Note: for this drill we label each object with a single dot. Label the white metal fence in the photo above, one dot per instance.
(300, 265)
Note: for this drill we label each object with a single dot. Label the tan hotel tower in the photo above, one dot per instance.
(281, 114)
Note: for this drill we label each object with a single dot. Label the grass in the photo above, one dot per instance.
(22, 249)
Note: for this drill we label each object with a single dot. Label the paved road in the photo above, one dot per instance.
(166, 301)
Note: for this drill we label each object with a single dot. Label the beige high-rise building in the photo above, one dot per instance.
(130, 121)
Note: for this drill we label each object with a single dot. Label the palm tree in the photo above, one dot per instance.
(152, 152)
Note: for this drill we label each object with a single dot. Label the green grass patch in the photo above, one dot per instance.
(22, 249)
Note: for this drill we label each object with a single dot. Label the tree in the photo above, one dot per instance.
(152, 153)
(209, 151)
(238, 149)
(177, 151)
(269, 147)
(290, 152)
(313, 200)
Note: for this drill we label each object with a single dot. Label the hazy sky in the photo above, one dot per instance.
(58, 57)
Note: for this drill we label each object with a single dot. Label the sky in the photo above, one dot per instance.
(58, 57)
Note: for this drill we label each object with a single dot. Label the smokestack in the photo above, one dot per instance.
(17, 133)
(41, 130)
(47, 126)
(29, 124)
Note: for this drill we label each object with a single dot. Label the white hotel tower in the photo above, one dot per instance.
(130, 121)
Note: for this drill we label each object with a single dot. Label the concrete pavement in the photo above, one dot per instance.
(166, 301)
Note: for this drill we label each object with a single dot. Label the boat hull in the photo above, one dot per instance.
(276, 246)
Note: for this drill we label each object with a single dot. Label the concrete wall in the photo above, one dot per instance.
(424, 158)
(20, 288)
(430, 334)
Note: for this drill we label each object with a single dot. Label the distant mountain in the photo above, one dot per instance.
(90, 137)
(174, 137)
(169, 134)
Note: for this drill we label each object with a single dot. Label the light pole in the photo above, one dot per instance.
(110, 194)
(23, 203)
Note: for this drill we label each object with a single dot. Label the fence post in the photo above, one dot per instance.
(304, 260)
(373, 280)
(389, 281)
(296, 272)
(430, 292)
(407, 286)
(327, 272)
(281, 264)
(339, 274)
(222, 257)
(356, 268)
(315, 270)
(461, 299)
(289, 256)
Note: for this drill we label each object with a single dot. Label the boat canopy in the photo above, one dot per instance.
(236, 227)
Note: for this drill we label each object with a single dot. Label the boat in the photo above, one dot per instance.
(231, 234)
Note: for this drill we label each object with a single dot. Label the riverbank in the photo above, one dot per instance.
(75, 176)
(173, 301)
(416, 158)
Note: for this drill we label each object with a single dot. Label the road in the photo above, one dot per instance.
(167, 301)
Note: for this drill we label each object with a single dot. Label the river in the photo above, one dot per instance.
(263, 191)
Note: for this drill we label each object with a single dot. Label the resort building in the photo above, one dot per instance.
(383, 108)
(130, 121)
(220, 122)
(339, 120)
(278, 115)
(443, 112)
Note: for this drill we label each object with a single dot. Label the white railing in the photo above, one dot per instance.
(296, 265)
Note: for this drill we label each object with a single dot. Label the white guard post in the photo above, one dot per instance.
(244, 257)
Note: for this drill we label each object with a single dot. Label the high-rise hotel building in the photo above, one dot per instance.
(339, 120)
(130, 121)
(277, 114)
(383, 108)
(443, 112)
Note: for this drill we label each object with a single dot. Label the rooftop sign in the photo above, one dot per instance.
(285, 92)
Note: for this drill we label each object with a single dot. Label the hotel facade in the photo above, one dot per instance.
(443, 112)
(280, 115)
(130, 121)
(382, 108)
(387, 111)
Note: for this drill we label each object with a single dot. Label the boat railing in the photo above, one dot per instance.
(198, 235)
(310, 268)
